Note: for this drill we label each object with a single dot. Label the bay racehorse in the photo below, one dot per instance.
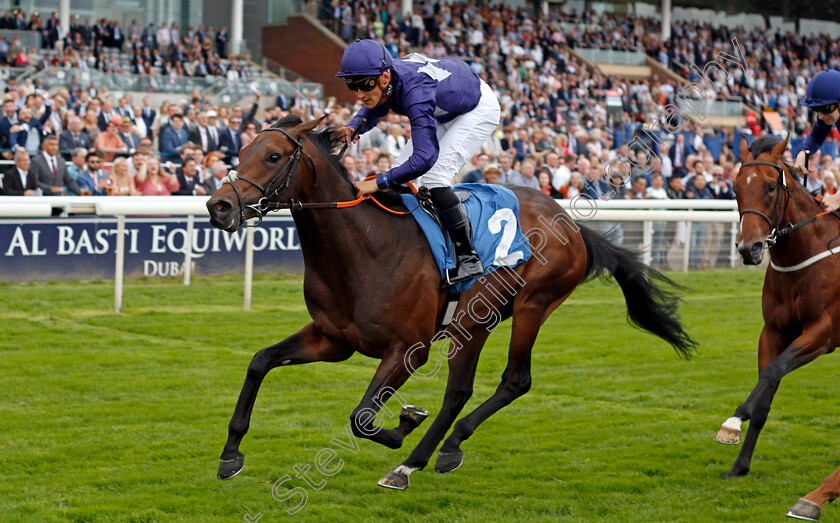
(801, 298)
(372, 286)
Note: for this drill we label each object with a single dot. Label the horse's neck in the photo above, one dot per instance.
(348, 237)
(808, 240)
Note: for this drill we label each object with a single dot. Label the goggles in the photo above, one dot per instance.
(826, 109)
(365, 84)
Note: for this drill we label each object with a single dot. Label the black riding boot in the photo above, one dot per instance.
(457, 222)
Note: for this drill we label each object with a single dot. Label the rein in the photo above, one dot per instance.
(264, 205)
(295, 205)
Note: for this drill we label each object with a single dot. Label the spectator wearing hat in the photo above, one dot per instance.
(215, 128)
(109, 142)
(492, 173)
(128, 135)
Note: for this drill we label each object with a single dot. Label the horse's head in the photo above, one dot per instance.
(759, 188)
(272, 168)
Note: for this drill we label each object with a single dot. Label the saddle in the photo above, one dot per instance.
(424, 197)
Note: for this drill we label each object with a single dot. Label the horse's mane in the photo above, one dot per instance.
(766, 144)
(326, 140)
(330, 142)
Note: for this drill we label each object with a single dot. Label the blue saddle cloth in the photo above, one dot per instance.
(497, 237)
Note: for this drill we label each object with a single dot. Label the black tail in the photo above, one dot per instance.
(648, 305)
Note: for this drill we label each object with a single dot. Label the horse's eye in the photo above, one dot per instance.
(274, 157)
(771, 187)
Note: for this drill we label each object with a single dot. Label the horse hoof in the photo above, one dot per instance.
(728, 436)
(449, 461)
(414, 415)
(734, 474)
(228, 468)
(394, 480)
(806, 510)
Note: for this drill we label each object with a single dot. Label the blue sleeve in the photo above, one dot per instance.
(815, 140)
(590, 193)
(424, 143)
(371, 117)
(46, 115)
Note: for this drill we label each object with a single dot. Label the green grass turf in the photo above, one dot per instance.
(123, 418)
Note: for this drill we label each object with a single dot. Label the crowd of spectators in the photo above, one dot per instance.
(551, 102)
(165, 50)
(557, 134)
(83, 142)
(781, 63)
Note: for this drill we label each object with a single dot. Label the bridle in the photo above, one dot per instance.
(265, 204)
(778, 230)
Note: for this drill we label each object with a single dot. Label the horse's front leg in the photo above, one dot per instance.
(810, 506)
(804, 349)
(306, 346)
(391, 374)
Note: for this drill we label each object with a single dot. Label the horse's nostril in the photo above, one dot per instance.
(221, 206)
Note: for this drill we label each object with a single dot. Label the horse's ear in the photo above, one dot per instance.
(745, 149)
(780, 148)
(307, 127)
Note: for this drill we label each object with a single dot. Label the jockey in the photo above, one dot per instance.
(823, 97)
(452, 112)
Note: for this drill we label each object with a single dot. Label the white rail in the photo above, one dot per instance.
(645, 211)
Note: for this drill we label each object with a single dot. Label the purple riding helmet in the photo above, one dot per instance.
(823, 89)
(363, 62)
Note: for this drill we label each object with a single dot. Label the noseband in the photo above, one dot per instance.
(262, 206)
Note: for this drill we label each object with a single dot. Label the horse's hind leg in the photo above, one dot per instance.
(459, 388)
(516, 381)
(756, 407)
(810, 506)
(306, 346)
